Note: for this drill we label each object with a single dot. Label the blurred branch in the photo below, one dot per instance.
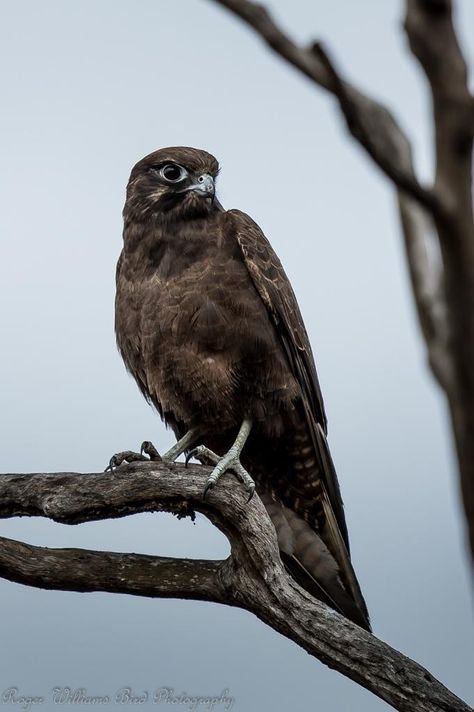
(252, 578)
(378, 132)
(435, 220)
(433, 41)
(370, 123)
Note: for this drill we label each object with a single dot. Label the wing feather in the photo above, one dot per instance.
(274, 287)
(277, 294)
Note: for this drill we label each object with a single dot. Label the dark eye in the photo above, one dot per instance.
(172, 173)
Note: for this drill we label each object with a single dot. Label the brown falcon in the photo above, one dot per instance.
(208, 325)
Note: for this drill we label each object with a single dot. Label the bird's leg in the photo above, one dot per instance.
(229, 461)
(147, 448)
(183, 444)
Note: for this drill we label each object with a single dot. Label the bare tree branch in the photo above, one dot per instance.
(370, 123)
(426, 271)
(135, 574)
(437, 220)
(376, 129)
(355, 108)
(253, 578)
(433, 41)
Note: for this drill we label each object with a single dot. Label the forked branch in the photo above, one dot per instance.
(252, 578)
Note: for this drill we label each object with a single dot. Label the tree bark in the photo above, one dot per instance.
(252, 578)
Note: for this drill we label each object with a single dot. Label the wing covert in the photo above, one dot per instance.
(275, 290)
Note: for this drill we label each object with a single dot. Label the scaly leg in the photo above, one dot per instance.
(230, 461)
(183, 444)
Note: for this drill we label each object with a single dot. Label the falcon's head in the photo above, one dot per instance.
(173, 183)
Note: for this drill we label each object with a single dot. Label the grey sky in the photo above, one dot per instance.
(87, 89)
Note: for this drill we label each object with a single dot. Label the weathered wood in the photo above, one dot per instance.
(253, 578)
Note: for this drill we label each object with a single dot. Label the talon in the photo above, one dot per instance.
(209, 486)
(112, 464)
(149, 449)
(230, 461)
(250, 490)
(190, 456)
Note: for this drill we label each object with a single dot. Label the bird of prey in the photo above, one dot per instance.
(208, 325)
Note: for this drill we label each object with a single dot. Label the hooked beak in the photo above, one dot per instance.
(204, 186)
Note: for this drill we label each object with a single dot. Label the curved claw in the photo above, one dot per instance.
(250, 490)
(209, 486)
(112, 464)
(190, 456)
(149, 449)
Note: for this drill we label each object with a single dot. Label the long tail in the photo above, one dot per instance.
(310, 562)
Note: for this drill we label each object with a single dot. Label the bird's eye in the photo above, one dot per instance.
(172, 173)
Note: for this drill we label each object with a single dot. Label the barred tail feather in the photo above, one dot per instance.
(310, 562)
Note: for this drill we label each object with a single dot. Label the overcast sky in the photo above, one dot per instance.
(87, 89)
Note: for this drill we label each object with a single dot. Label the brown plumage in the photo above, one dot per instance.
(208, 325)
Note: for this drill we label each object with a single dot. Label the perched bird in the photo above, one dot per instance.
(208, 325)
